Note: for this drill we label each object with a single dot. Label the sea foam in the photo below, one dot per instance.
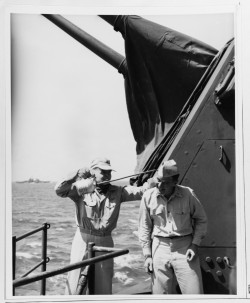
(130, 260)
(123, 277)
(25, 255)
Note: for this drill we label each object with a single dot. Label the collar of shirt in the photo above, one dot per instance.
(176, 193)
(103, 195)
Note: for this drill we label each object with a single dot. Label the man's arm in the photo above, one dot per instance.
(145, 228)
(199, 219)
(200, 225)
(67, 187)
(133, 193)
(144, 233)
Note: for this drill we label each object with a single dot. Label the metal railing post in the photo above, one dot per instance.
(91, 275)
(47, 274)
(44, 257)
(88, 265)
(13, 262)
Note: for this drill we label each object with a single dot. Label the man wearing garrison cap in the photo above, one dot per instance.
(97, 210)
(172, 224)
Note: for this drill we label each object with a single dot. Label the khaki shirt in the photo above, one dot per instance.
(95, 212)
(182, 214)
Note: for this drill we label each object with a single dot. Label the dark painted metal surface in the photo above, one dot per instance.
(215, 274)
(205, 152)
(214, 183)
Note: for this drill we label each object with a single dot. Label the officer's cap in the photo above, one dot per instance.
(167, 169)
(102, 163)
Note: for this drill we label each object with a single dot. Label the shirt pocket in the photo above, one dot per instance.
(181, 219)
(110, 206)
(109, 211)
(159, 209)
(158, 215)
(90, 212)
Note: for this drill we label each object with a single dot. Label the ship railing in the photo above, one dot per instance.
(44, 257)
(87, 275)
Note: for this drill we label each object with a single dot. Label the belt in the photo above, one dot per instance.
(97, 233)
(172, 237)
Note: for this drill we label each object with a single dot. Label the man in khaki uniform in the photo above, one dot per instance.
(97, 211)
(172, 223)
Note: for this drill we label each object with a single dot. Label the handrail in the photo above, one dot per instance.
(42, 263)
(89, 271)
(48, 274)
(32, 232)
(105, 249)
(35, 267)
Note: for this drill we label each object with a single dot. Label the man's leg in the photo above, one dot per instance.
(104, 270)
(103, 276)
(188, 273)
(78, 253)
(163, 274)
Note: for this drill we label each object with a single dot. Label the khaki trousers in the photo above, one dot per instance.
(170, 264)
(103, 270)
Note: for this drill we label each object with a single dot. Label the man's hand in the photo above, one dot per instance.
(192, 252)
(83, 173)
(150, 183)
(149, 265)
(85, 186)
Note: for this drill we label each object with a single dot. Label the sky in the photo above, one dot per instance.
(67, 105)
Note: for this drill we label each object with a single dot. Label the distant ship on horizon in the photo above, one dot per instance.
(33, 180)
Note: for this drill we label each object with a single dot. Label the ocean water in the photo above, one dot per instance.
(37, 203)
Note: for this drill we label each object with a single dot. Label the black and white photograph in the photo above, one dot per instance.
(124, 151)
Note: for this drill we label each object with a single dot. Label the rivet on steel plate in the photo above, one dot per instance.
(218, 260)
(219, 273)
(227, 262)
